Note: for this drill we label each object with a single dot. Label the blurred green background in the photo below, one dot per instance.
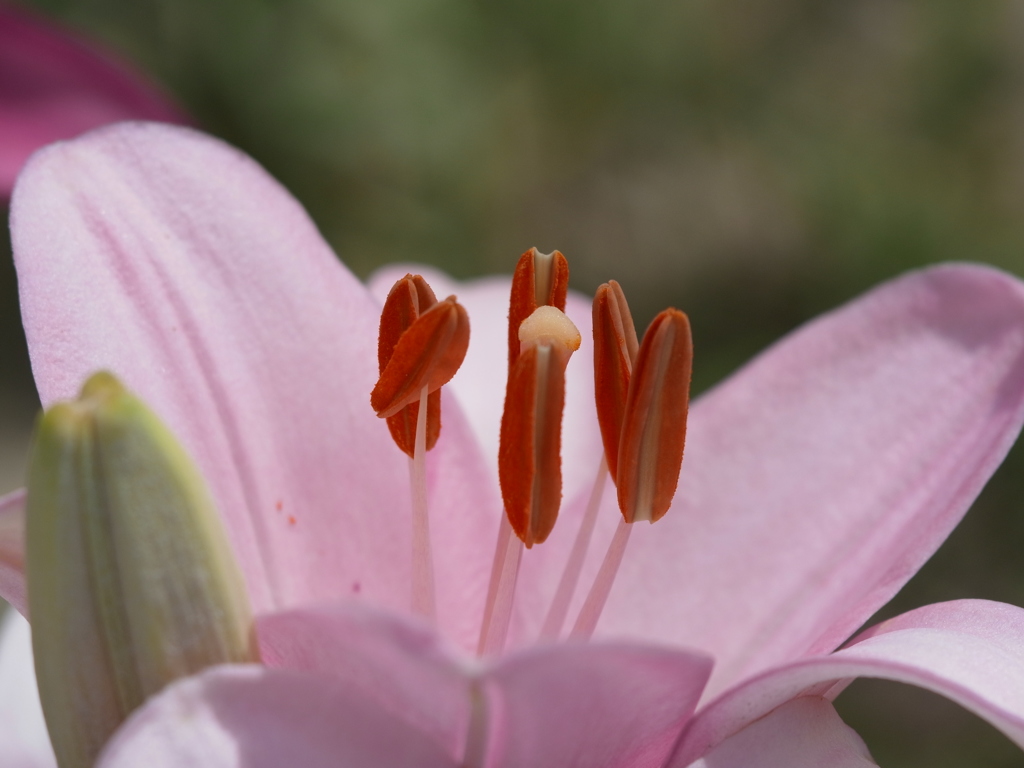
(754, 162)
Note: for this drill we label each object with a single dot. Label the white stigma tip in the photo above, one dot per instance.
(549, 325)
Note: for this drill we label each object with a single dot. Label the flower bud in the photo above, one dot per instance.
(131, 582)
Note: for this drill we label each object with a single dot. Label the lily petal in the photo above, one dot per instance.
(821, 477)
(596, 705)
(401, 666)
(804, 733)
(971, 651)
(252, 717)
(24, 742)
(176, 262)
(603, 705)
(53, 87)
(12, 550)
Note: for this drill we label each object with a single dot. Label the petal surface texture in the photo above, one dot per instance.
(601, 705)
(176, 262)
(970, 651)
(251, 717)
(12, 550)
(604, 704)
(402, 666)
(53, 86)
(819, 478)
(804, 733)
(24, 742)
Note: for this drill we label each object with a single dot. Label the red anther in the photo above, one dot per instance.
(426, 354)
(615, 350)
(529, 457)
(540, 278)
(654, 426)
(409, 297)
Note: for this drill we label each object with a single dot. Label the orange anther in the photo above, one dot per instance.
(615, 350)
(529, 457)
(653, 431)
(539, 279)
(409, 297)
(422, 344)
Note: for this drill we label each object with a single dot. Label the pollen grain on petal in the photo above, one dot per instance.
(653, 432)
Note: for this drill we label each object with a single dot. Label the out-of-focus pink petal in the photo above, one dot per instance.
(480, 388)
(971, 651)
(403, 667)
(557, 705)
(53, 86)
(804, 733)
(12, 550)
(176, 262)
(252, 717)
(603, 705)
(820, 477)
(24, 742)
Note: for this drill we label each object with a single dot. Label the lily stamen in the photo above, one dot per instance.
(643, 425)
(421, 345)
(541, 340)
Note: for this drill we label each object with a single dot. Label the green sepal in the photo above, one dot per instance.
(131, 582)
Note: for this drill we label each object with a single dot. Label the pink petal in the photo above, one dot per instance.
(403, 667)
(24, 742)
(819, 478)
(558, 705)
(600, 705)
(179, 264)
(804, 733)
(12, 550)
(251, 717)
(971, 651)
(53, 86)
(480, 388)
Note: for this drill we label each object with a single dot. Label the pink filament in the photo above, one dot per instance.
(590, 613)
(502, 590)
(574, 565)
(423, 602)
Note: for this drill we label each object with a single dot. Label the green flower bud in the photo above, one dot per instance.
(131, 582)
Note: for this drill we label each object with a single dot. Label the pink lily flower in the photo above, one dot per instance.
(817, 480)
(54, 86)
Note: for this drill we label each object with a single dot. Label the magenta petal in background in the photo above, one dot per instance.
(12, 550)
(252, 717)
(53, 86)
(175, 261)
(822, 475)
(970, 651)
(803, 733)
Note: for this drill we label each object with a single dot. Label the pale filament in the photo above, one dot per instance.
(423, 601)
(592, 608)
(500, 594)
(574, 565)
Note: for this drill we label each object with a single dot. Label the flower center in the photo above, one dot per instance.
(642, 399)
